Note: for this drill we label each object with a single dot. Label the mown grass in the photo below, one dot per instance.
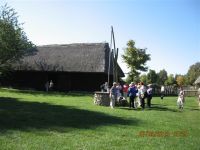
(32, 120)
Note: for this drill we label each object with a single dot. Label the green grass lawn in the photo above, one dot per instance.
(56, 121)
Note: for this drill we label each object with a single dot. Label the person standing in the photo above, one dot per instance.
(162, 90)
(47, 86)
(132, 91)
(119, 87)
(149, 96)
(51, 84)
(104, 87)
(113, 94)
(182, 94)
(125, 90)
(142, 94)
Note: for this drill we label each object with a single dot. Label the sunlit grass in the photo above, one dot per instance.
(45, 121)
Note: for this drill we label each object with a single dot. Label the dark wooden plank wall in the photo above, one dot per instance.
(63, 81)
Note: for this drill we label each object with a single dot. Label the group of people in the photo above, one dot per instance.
(133, 91)
(137, 94)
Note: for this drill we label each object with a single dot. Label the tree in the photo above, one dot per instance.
(170, 80)
(134, 79)
(135, 59)
(152, 76)
(193, 73)
(143, 78)
(13, 41)
(180, 80)
(162, 77)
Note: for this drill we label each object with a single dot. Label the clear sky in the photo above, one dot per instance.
(169, 29)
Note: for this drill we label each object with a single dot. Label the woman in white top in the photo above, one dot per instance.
(142, 94)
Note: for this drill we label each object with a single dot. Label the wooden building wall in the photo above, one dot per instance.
(63, 81)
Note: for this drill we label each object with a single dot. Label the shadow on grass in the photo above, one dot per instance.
(22, 115)
(195, 109)
(155, 107)
(162, 108)
(50, 93)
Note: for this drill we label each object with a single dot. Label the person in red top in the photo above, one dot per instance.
(125, 90)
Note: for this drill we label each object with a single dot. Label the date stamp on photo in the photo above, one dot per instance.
(180, 133)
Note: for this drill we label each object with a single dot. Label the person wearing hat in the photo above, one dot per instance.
(113, 94)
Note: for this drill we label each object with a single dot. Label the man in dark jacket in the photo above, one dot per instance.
(132, 91)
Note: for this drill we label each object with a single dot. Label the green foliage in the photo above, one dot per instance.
(170, 80)
(135, 59)
(13, 41)
(152, 76)
(162, 77)
(193, 73)
(132, 78)
(143, 78)
(45, 121)
(180, 80)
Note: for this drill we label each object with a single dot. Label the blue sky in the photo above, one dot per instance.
(169, 29)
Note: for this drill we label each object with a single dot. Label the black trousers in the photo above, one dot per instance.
(131, 101)
(162, 95)
(142, 102)
(149, 97)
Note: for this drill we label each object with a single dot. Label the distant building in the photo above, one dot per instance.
(71, 67)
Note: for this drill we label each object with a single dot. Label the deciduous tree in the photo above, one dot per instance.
(13, 41)
(170, 80)
(193, 73)
(152, 76)
(180, 80)
(135, 59)
(162, 77)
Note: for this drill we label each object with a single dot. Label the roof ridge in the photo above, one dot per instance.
(72, 44)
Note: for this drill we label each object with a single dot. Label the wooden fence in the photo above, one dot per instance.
(173, 91)
(191, 92)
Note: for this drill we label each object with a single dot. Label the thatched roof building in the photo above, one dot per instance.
(82, 66)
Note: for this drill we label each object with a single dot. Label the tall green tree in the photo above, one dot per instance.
(13, 41)
(143, 78)
(162, 77)
(193, 73)
(170, 80)
(135, 59)
(152, 76)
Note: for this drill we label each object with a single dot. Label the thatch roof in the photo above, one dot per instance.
(197, 80)
(82, 57)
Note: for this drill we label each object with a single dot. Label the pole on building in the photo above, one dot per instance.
(113, 55)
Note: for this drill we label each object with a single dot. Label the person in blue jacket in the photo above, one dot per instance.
(132, 91)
